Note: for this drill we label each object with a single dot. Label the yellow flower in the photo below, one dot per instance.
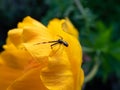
(42, 58)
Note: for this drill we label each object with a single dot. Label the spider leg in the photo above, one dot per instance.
(53, 45)
(60, 37)
(52, 41)
(45, 42)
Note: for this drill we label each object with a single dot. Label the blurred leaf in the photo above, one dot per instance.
(106, 68)
(103, 37)
(100, 26)
(115, 49)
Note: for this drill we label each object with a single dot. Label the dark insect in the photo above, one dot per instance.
(59, 41)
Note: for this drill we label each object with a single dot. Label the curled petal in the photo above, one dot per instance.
(69, 28)
(14, 36)
(28, 22)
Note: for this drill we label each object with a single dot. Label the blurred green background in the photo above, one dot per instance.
(98, 22)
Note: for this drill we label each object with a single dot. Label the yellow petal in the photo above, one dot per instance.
(28, 22)
(8, 75)
(1, 61)
(14, 36)
(15, 58)
(73, 51)
(66, 25)
(57, 75)
(69, 28)
(33, 36)
(55, 27)
(33, 41)
(81, 80)
(28, 81)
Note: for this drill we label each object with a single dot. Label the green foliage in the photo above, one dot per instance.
(101, 40)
